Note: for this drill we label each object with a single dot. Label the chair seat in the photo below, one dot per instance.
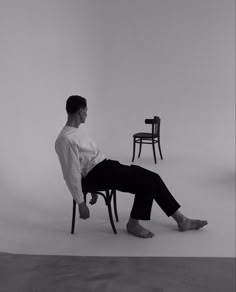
(91, 189)
(143, 135)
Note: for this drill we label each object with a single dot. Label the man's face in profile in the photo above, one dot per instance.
(83, 114)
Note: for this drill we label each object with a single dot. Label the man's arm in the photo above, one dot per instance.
(69, 158)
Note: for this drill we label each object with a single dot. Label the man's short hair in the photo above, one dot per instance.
(74, 103)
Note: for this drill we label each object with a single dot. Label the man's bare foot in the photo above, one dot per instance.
(137, 230)
(191, 224)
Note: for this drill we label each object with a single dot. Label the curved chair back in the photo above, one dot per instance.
(155, 122)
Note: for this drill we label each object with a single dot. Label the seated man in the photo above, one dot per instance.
(82, 161)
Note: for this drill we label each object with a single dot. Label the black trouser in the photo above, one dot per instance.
(145, 184)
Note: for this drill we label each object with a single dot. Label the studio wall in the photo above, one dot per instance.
(132, 60)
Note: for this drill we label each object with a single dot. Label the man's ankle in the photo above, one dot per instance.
(133, 221)
(178, 217)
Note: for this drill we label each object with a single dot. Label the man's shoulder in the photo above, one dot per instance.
(65, 138)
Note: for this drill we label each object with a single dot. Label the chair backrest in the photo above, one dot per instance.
(155, 122)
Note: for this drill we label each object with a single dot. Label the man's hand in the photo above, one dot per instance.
(93, 199)
(83, 210)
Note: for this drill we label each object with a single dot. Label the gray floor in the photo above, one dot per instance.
(115, 274)
(40, 254)
(38, 222)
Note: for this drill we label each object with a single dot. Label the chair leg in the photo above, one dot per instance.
(115, 205)
(134, 141)
(73, 217)
(110, 212)
(140, 147)
(159, 146)
(154, 152)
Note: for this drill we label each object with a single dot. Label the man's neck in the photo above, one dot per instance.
(74, 124)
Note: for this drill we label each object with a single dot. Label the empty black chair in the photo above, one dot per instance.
(110, 194)
(149, 138)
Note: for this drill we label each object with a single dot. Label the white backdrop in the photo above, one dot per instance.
(131, 59)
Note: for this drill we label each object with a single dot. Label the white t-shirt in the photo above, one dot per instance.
(78, 154)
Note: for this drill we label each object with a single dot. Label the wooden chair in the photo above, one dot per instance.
(108, 195)
(149, 138)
